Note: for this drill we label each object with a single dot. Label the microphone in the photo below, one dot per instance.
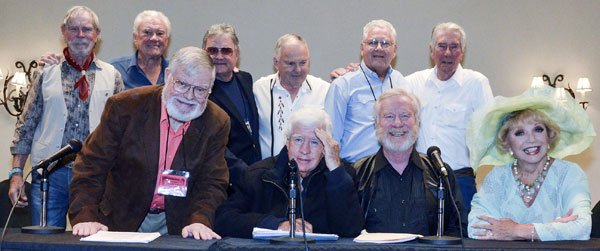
(435, 154)
(293, 164)
(73, 146)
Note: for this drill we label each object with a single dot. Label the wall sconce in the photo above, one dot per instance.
(16, 88)
(583, 86)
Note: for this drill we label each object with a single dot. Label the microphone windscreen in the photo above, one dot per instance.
(433, 149)
(75, 145)
(293, 165)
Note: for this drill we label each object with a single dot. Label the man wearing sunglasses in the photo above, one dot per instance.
(155, 163)
(350, 98)
(232, 91)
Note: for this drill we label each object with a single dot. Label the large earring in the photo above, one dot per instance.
(511, 152)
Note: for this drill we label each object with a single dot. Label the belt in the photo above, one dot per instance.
(467, 171)
(156, 211)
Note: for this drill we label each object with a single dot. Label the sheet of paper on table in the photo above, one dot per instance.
(267, 234)
(122, 237)
(365, 237)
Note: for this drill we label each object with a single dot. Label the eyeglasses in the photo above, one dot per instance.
(76, 29)
(149, 33)
(374, 43)
(198, 92)
(213, 51)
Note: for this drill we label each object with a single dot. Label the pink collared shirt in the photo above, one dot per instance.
(168, 153)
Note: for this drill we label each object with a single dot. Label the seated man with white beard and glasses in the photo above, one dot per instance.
(156, 161)
(398, 185)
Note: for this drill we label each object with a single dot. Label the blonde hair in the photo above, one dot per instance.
(519, 117)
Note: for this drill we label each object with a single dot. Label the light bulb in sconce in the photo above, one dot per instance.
(16, 87)
(537, 82)
(18, 81)
(1, 76)
(583, 86)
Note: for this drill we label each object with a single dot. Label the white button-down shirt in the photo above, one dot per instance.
(272, 100)
(446, 108)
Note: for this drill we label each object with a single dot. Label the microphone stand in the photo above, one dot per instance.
(292, 239)
(43, 228)
(439, 238)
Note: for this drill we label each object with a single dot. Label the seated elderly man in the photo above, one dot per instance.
(330, 201)
(398, 185)
(155, 163)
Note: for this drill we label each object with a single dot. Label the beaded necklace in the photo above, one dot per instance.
(527, 191)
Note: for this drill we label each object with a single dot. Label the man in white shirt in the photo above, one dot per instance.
(449, 94)
(289, 89)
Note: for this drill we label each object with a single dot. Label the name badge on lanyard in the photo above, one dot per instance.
(174, 183)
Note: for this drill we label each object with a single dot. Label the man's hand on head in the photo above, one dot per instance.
(199, 231)
(331, 149)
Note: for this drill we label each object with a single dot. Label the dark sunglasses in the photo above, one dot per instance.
(215, 50)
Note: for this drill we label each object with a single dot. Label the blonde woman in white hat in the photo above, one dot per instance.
(531, 193)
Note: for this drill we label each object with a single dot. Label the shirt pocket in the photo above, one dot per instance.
(362, 106)
(454, 116)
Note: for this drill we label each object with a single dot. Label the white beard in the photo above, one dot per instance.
(176, 114)
(81, 53)
(384, 140)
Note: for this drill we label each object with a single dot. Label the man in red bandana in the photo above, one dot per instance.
(65, 102)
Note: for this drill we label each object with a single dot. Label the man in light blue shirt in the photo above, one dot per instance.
(151, 31)
(350, 98)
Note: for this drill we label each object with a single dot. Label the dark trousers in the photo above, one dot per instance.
(465, 178)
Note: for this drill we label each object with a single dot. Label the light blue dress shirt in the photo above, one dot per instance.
(349, 103)
(565, 187)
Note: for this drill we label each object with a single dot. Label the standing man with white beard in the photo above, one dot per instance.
(65, 102)
(156, 161)
(398, 185)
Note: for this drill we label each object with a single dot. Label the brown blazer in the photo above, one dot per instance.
(114, 175)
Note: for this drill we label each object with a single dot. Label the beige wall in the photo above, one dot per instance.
(509, 41)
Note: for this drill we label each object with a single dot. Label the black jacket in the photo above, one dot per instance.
(330, 200)
(243, 148)
(423, 202)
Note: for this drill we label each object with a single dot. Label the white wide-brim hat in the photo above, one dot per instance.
(576, 129)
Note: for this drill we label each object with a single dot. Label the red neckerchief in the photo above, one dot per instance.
(82, 82)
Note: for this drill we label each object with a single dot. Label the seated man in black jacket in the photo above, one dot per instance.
(328, 192)
(397, 184)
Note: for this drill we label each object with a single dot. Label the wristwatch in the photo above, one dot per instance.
(13, 171)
